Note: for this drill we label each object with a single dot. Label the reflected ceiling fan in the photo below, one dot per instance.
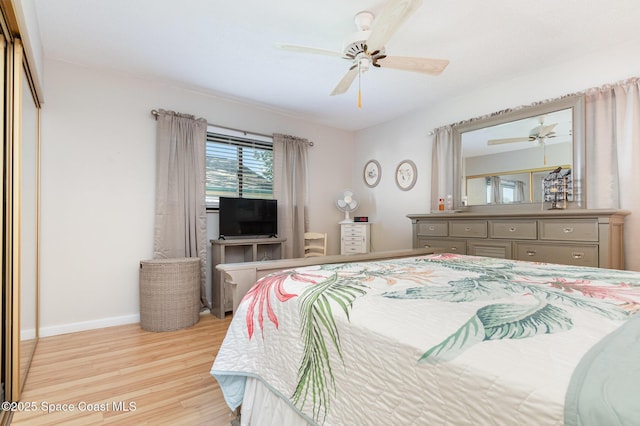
(365, 47)
(538, 134)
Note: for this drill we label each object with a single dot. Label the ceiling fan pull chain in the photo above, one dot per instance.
(359, 92)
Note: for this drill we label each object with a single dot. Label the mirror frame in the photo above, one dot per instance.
(575, 102)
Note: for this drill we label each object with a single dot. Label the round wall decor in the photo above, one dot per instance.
(372, 173)
(406, 175)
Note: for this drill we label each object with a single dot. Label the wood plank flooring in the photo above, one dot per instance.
(125, 375)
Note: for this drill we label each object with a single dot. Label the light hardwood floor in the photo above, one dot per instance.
(125, 375)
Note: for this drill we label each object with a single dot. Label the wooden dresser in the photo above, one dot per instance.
(572, 237)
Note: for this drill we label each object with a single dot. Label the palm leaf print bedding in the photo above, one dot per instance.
(438, 339)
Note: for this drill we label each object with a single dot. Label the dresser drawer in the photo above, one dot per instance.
(353, 248)
(433, 229)
(566, 254)
(352, 230)
(468, 228)
(444, 245)
(569, 230)
(500, 249)
(513, 229)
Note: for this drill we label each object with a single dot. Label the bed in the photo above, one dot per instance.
(435, 339)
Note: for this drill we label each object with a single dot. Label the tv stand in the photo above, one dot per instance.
(237, 251)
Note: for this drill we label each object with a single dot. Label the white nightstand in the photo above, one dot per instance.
(355, 237)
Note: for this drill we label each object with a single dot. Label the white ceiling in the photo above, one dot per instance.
(227, 47)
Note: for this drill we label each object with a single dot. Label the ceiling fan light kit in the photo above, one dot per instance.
(366, 46)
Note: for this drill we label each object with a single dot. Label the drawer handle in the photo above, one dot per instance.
(454, 249)
(577, 255)
(513, 229)
(531, 252)
(432, 228)
(567, 230)
(467, 228)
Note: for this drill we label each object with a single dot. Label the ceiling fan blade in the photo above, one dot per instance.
(346, 81)
(421, 65)
(389, 20)
(547, 130)
(306, 49)
(510, 140)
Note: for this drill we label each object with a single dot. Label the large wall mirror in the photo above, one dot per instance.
(503, 160)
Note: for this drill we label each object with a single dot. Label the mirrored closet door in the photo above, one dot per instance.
(20, 159)
(27, 135)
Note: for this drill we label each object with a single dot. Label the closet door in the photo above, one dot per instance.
(5, 155)
(20, 159)
(26, 135)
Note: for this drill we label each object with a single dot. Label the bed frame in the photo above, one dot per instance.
(242, 276)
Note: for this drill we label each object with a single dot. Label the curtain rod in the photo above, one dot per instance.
(155, 116)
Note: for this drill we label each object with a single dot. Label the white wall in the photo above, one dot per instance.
(98, 177)
(407, 137)
(98, 172)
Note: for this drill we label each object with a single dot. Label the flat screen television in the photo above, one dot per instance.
(248, 217)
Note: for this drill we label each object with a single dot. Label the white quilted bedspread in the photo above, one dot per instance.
(433, 340)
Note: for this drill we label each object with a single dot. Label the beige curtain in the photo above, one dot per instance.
(180, 221)
(613, 155)
(519, 191)
(496, 191)
(442, 165)
(290, 158)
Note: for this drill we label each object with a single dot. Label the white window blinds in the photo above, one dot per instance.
(238, 165)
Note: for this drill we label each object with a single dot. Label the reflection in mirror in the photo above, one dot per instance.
(504, 158)
(525, 186)
(28, 227)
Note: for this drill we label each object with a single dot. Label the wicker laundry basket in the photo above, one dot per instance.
(169, 293)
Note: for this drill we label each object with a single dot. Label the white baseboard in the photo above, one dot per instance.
(91, 325)
(28, 334)
(88, 325)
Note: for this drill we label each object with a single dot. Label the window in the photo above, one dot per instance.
(238, 165)
(507, 190)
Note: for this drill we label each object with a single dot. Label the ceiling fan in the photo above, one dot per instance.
(538, 134)
(366, 46)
